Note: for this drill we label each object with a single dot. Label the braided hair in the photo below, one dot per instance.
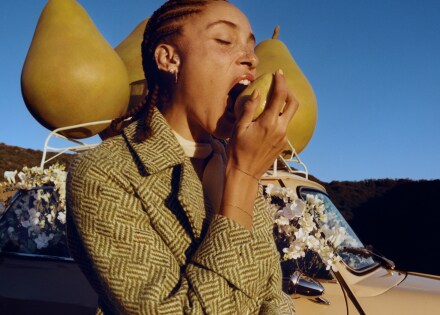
(165, 24)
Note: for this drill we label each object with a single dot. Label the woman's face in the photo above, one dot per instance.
(216, 50)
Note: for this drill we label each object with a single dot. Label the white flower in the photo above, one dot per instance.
(294, 209)
(22, 176)
(269, 189)
(294, 251)
(46, 197)
(42, 240)
(313, 243)
(34, 216)
(306, 222)
(282, 220)
(301, 235)
(62, 217)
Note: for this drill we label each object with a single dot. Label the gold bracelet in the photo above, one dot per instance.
(244, 172)
(240, 208)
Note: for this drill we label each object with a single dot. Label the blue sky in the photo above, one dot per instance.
(374, 66)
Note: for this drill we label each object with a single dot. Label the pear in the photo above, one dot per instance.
(130, 52)
(273, 55)
(71, 74)
(264, 85)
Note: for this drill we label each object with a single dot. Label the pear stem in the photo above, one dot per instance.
(276, 32)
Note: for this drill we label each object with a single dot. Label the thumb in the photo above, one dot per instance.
(249, 107)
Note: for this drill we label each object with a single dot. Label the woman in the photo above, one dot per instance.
(159, 223)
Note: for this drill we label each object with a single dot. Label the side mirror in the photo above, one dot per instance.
(300, 284)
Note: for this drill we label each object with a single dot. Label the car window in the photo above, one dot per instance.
(346, 238)
(34, 223)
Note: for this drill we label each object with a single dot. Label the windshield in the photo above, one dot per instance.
(346, 238)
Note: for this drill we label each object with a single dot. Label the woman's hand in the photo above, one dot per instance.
(255, 145)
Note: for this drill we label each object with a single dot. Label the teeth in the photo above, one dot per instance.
(245, 82)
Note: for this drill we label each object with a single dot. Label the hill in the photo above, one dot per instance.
(398, 216)
(15, 158)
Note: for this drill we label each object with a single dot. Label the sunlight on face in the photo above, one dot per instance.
(216, 49)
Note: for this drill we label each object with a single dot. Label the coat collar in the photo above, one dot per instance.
(162, 151)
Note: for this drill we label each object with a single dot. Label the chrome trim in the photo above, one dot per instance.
(300, 284)
(320, 300)
(5, 254)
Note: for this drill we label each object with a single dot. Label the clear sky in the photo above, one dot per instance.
(374, 66)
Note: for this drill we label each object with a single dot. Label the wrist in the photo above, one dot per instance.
(240, 189)
(241, 174)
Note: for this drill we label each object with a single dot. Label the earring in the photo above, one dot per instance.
(176, 74)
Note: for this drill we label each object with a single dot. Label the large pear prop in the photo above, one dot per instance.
(273, 55)
(130, 52)
(71, 74)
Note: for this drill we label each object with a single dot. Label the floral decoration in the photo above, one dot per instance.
(37, 215)
(301, 227)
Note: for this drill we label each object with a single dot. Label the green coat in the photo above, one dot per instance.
(143, 233)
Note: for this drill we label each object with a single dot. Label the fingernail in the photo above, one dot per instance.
(255, 94)
(280, 71)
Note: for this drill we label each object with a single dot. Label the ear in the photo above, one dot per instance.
(167, 58)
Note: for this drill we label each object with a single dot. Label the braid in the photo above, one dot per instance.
(133, 112)
(146, 113)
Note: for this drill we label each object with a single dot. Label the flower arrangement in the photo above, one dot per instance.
(37, 214)
(303, 227)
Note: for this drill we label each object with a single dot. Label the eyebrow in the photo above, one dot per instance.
(230, 24)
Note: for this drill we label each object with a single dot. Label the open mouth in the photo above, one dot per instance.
(233, 94)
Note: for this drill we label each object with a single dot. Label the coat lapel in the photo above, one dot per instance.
(162, 151)
(192, 200)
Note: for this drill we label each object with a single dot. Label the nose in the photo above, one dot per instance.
(249, 59)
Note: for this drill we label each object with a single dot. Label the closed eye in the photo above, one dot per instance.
(222, 41)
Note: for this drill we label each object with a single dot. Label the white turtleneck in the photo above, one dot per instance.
(214, 174)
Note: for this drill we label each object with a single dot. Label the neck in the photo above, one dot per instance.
(177, 117)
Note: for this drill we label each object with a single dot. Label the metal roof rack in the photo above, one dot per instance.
(287, 158)
(78, 147)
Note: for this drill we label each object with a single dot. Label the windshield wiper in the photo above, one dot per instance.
(368, 252)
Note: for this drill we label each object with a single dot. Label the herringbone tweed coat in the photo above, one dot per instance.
(143, 233)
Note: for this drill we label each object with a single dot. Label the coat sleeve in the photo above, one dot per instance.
(134, 272)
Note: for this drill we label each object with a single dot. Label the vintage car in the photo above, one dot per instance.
(38, 275)
(365, 283)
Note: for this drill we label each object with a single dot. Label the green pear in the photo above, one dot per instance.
(130, 52)
(264, 85)
(273, 55)
(71, 74)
